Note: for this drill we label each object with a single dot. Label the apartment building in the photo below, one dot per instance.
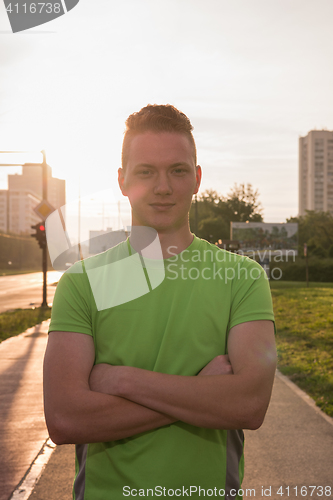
(31, 181)
(24, 193)
(316, 171)
(3, 210)
(22, 216)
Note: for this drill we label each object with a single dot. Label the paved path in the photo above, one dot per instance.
(293, 448)
(22, 430)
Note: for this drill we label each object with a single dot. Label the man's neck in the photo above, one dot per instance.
(172, 242)
(175, 242)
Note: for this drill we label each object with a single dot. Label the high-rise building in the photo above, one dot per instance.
(31, 181)
(3, 210)
(316, 172)
(25, 193)
(21, 212)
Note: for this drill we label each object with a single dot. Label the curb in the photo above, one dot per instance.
(29, 481)
(303, 395)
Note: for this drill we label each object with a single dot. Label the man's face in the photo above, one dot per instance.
(160, 179)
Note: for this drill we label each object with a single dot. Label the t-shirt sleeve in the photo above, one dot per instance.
(71, 309)
(251, 295)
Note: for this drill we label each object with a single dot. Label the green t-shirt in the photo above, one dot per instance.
(176, 328)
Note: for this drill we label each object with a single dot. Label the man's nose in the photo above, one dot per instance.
(163, 185)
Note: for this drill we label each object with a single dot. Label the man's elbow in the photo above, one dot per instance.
(254, 415)
(246, 417)
(254, 422)
(59, 429)
(246, 413)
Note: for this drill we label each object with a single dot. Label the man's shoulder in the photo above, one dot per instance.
(217, 254)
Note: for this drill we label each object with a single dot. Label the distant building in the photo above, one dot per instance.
(3, 210)
(316, 171)
(31, 181)
(25, 192)
(21, 206)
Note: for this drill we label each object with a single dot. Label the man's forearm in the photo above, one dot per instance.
(75, 413)
(220, 401)
(225, 401)
(94, 417)
(86, 403)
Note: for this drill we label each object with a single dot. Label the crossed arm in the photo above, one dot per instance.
(84, 403)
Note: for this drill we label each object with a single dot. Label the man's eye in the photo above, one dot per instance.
(144, 172)
(179, 171)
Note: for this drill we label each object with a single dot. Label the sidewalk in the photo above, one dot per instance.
(293, 448)
(23, 430)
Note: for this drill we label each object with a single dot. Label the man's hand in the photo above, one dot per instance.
(218, 366)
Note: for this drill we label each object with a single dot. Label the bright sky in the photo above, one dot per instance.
(252, 75)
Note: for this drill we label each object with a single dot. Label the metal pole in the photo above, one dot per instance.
(306, 264)
(44, 250)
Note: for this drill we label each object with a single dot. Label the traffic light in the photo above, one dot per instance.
(40, 234)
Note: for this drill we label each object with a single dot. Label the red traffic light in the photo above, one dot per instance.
(40, 234)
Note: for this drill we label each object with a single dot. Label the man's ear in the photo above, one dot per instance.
(198, 178)
(121, 181)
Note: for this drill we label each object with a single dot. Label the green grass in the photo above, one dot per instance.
(15, 322)
(304, 321)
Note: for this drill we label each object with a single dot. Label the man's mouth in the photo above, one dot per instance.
(162, 206)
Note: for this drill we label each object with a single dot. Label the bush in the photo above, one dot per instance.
(318, 251)
(320, 270)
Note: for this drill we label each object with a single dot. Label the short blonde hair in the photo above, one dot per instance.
(156, 118)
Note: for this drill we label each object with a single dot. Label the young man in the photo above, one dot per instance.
(148, 382)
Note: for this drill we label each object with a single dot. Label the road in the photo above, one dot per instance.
(26, 290)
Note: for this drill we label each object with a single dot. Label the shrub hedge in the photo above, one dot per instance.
(320, 270)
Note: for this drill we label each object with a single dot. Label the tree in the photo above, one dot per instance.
(315, 229)
(215, 212)
(243, 205)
